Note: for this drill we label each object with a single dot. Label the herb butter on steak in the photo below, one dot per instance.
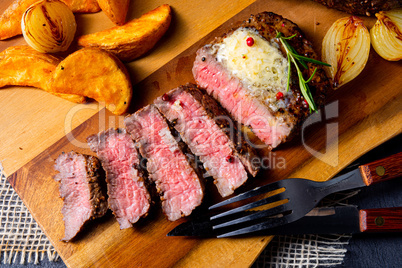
(249, 77)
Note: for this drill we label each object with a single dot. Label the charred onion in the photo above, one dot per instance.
(48, 26)
(346, 47)
(386, 34)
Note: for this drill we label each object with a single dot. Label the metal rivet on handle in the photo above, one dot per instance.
(380, 170)
(379, 221)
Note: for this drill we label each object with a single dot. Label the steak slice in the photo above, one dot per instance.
(249, 79)
(176, 180)
(126, 183)
(210, 134)
(80, 188)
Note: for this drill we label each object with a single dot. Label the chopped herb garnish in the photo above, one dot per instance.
(294, 57)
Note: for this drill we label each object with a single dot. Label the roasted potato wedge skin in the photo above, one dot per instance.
(10, 20)
(24, 66)
(96, 74)
(115, 10)
(83, 6)
(134, 38)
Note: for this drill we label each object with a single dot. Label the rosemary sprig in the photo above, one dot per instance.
(294, 57)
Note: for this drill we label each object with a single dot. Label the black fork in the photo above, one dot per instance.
(300, 195)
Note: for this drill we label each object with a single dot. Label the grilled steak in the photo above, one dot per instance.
(175, 179)
(246, 71)
(126, 184)
(80, 187)
(210, 134)
(358, 7)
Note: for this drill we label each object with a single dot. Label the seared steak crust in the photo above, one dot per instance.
(357, 7)
(288, 118)
(80, 178)
(96, 177)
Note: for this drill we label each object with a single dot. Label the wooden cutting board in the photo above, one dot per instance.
(359, 116)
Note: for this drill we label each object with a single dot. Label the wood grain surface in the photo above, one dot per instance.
(381, 220)
(359, 116)
(382, 169)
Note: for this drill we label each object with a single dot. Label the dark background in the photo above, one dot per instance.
(377, 250)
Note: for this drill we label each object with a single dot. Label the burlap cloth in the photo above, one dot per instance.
(22, 241)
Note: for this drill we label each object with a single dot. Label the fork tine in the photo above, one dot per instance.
(256, 215)
(270, 223)
(254, 192)
(271, 199)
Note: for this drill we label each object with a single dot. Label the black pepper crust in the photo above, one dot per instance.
(267, 24)
(97, 186)
(362, 7)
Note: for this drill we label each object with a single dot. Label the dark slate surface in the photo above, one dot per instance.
(377, 250)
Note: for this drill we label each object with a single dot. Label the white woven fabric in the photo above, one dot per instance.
(21, 239)
(303, 251)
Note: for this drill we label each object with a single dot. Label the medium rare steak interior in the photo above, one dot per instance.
(210, 134)
(126, 184)
(176, 181)
(246, 70)
(80, 188)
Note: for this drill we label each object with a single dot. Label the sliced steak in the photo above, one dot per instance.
(175, 179)
(80, 188)
(249, 77)
(210, 134)
(358, 7)
(126, 183)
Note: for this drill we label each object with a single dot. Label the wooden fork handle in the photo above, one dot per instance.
(381, 220)
(382, 170)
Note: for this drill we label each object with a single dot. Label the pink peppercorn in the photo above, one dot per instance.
(165, 97)
(250, 41)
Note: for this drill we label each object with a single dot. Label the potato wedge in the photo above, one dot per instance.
(115, 10)
(24, 66)
(96, 74)
(134, 38)
(82, 6)
(10, 20)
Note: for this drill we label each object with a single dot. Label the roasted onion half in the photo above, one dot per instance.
(346, 47)
(386, 34)
(49, 26)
